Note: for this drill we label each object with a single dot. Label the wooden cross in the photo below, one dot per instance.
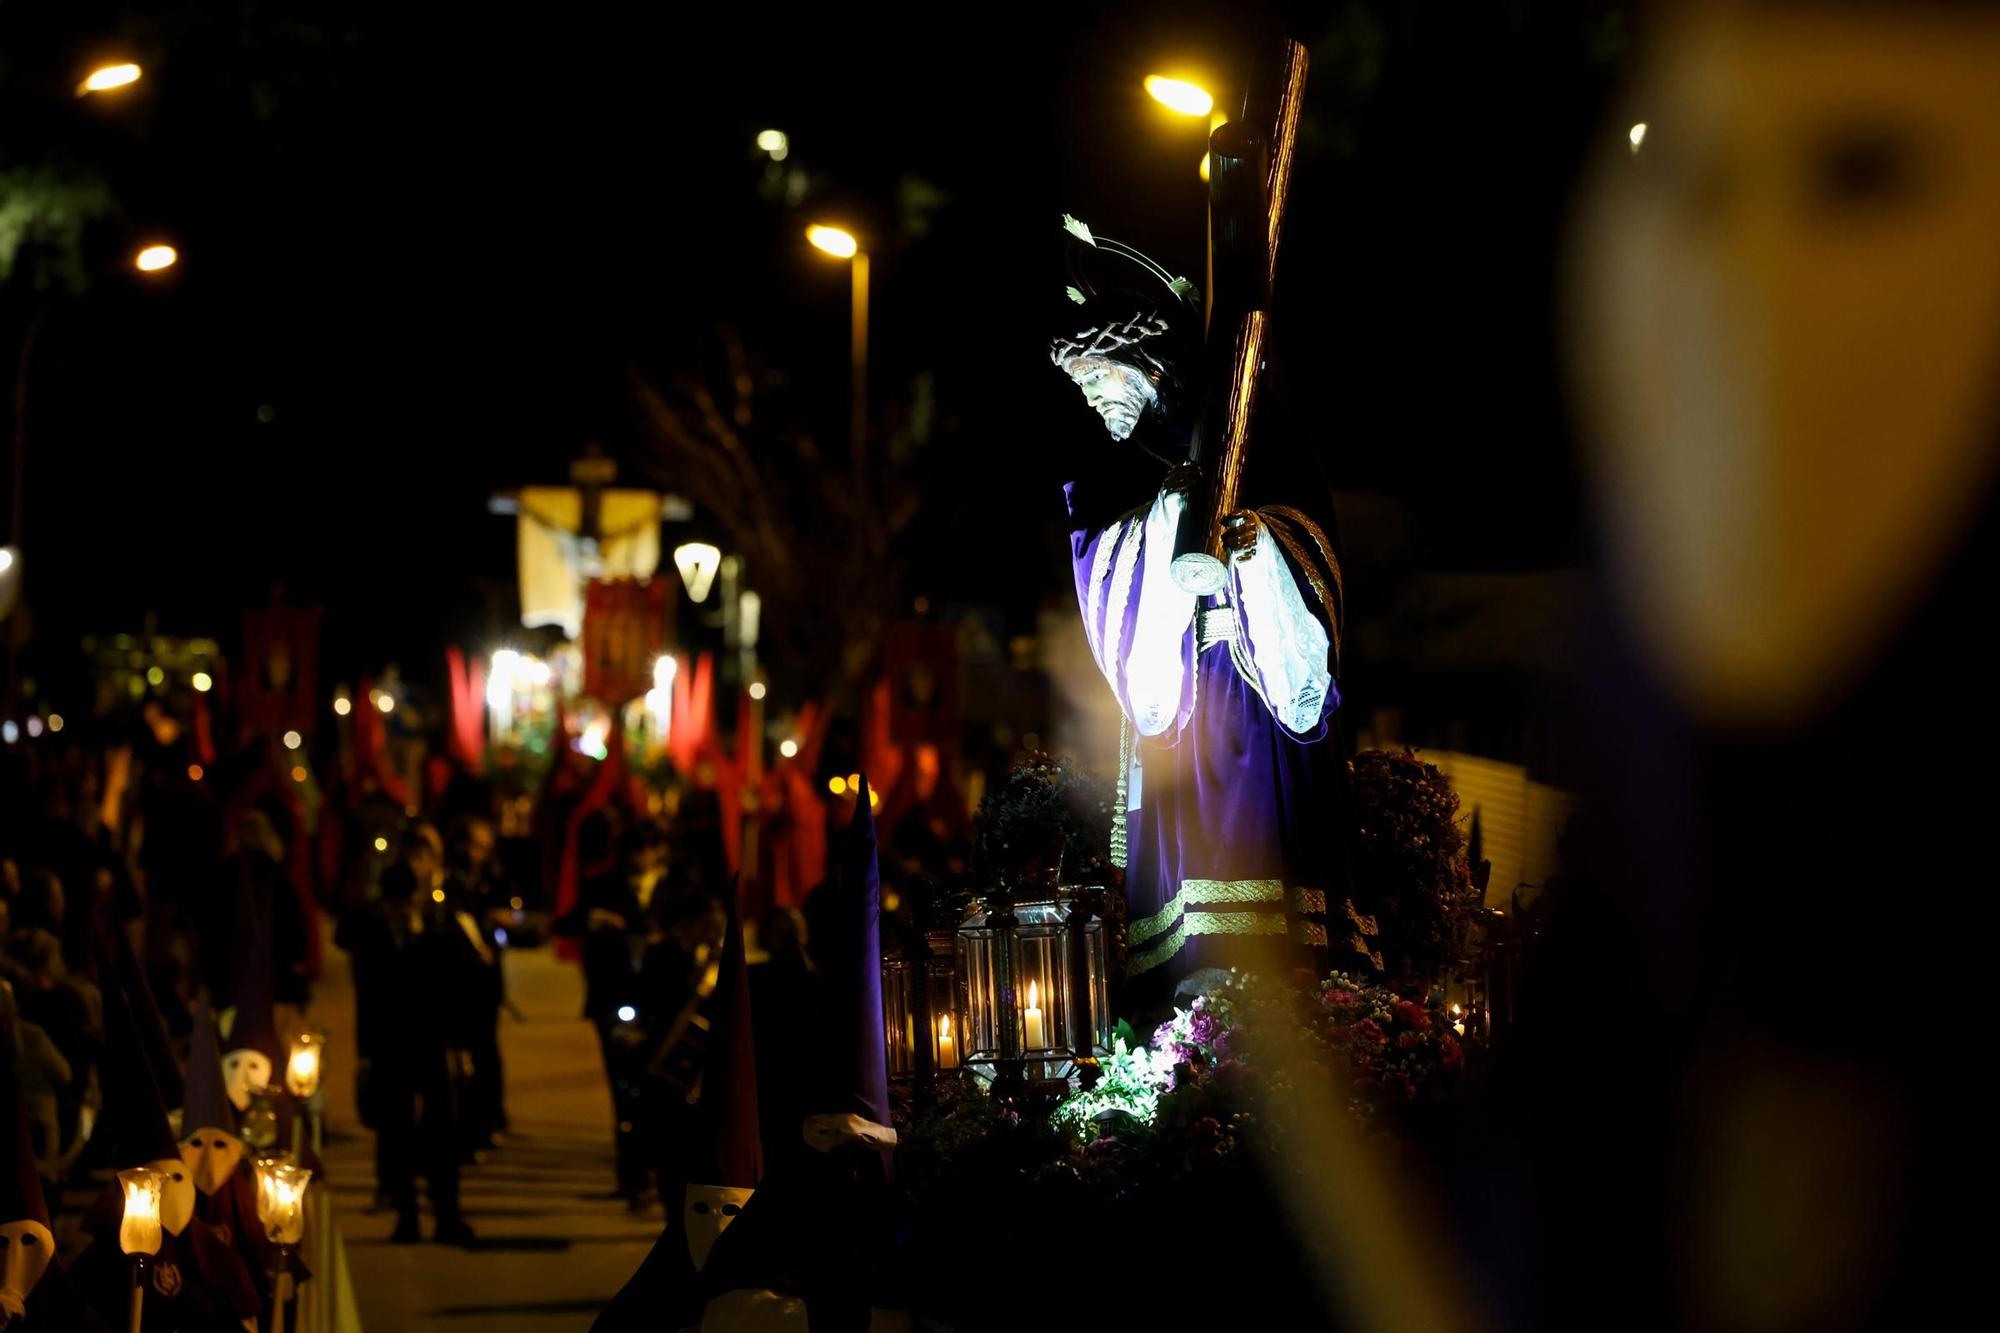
(1249, 178)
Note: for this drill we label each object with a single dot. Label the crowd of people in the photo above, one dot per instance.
(161, 908)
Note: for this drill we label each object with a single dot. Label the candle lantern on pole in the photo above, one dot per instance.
(139, 1230)
(281, 1206)
(1037, 989)
(303, 1068)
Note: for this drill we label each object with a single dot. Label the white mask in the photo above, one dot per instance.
(211, 1157)
(1785, 300)
(706, 1212)
(1115, 391)
(245, 1071)
(26, 1247)
(176, 1194)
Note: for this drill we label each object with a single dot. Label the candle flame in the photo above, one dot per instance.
(944, 1028)
(1034, 998)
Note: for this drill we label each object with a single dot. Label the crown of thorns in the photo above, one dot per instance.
(1128, 336)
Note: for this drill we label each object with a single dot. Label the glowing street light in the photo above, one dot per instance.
(1179, 95)
(1637, 135)
(776, 143)
(202, 681)
(697, 562)
(156, 257)
(788, 748)
(840, 244)
(106, 77)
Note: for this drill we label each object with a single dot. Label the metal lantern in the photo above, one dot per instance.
(1037, 988)
(923, 1021)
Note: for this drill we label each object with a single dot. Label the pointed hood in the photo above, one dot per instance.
(20, 1183)
(256, 1025)
(208, 1105)
(127, 976)
(134, 1112)
(855, 1079)
(730, 1149)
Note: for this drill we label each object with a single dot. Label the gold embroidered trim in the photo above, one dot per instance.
(1318, 535)
(1310, 901)
(1312, 934)
(1197, 892)
(1206, 923)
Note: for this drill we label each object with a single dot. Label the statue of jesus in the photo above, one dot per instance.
(1230, 834)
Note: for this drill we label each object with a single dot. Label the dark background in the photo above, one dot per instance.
(439, 247)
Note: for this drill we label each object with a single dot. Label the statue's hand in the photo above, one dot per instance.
(1181, 479)
(1239, 534)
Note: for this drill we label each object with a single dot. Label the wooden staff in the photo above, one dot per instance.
(1249, 180)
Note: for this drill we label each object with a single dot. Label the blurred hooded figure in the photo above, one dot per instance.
(815, 1244)
(1786, 333)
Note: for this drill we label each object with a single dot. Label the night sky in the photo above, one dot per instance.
(439, 248)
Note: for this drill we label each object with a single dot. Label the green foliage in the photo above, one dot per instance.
(1047, 819)
(1132, 1079)
(43, 213)
(1410, 868)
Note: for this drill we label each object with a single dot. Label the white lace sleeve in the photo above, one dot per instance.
(1287, 644)
(1156, 661)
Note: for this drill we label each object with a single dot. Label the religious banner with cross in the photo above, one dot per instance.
(624, 633)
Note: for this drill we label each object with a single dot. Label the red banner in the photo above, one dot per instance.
(624, 633)
(278, 683)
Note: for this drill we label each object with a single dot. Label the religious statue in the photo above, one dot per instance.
(1228, 775)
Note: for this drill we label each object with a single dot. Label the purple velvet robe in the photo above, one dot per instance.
(1230, 837)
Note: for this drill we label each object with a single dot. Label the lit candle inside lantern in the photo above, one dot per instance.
(947, 1048)
(139, 1231)
(281, 1192)
(1031, 1021)
(302, 1070)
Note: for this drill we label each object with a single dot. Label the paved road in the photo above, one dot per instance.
(554, 1245)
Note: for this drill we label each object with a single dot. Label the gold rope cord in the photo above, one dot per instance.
(1118, 843)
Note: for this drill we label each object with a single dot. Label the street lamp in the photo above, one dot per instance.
(106, 77)
(156, 257)
(842, 245)
(1179, 95)
(697, 563)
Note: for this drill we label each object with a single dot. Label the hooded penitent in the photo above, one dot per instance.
(815, 1238)
(26, 1244)
(130, 979)
(209, 1144)
(251, 1054)
(135, 1115)
(851, 1100)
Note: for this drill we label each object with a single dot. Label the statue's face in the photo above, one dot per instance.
(211, 1156)
(176, 1194)
(706, 1212)
(1114, 391)
(245, 1071)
